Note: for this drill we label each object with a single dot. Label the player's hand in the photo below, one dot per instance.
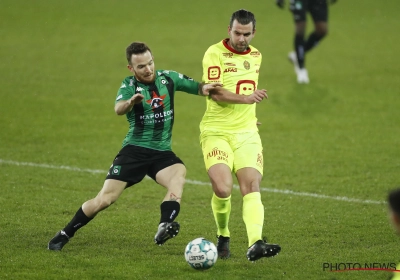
(257, 96)
(205, 90)
(136, 99)
(281, 3)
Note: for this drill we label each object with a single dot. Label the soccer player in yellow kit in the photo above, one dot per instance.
(229, 135)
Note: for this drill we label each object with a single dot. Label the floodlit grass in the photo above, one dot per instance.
(331, 148)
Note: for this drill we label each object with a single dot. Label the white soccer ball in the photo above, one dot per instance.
(201, 253)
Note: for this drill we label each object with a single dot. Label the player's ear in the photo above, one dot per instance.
(130, 68)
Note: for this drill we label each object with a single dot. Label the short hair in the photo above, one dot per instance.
(136, 48)
(394, 201)
(243, 17)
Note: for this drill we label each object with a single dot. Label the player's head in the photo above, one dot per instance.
(140, 62)
(241, 30)
(394, 208)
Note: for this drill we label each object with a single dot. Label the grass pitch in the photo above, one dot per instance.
(331, 148)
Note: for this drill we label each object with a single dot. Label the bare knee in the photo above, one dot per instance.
(105, 202)
(222, 192)
(321, 29)
(97, 204)
(221, 180)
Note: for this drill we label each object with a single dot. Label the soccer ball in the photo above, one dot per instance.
(201, 254)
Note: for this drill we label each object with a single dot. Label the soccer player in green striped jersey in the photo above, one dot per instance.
(229, 135)
(147, 100)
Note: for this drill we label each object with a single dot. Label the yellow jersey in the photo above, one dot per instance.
(396, 275)
(238, 72)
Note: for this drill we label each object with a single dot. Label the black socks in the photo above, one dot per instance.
(169, 211)
(78, 221)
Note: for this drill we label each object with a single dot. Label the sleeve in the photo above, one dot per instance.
(125, 91)
(212, 68)
(185, 83)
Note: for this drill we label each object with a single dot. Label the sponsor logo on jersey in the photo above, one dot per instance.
(218, 154)
(260, 161)
(229, 54)
(130, 82)
(156, 101)
(246, 65)
(230, 69)
(214, 72)
(139, 89)
(229, 64)
(116, 170)
(157, 117)
(255, 53)
(245, 87)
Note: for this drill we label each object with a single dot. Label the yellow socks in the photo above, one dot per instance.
(253, 216)
(221, 208)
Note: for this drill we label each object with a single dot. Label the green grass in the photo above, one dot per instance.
(61, 65)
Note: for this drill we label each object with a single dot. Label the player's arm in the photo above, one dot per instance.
(204, 89)
(124, 106)
(220, 94)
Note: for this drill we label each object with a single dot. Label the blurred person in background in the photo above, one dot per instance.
(318, 9)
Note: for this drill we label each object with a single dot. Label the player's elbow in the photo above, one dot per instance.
(118, 111)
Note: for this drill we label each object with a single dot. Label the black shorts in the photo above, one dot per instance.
(133, 163)
(317, 8)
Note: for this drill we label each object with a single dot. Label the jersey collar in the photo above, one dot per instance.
(226, 45)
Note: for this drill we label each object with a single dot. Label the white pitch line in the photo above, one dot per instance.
(194, 182)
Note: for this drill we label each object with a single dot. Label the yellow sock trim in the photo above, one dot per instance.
(253, 216)
(221, 208)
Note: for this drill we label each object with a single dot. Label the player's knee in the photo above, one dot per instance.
(321, 30)
(222, 192)
(104, 202)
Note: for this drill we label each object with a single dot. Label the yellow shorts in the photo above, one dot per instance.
(237, 150)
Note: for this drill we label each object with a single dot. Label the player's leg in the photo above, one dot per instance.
(218, 159)
(170, 172)
(127, 169)
(248, 167)
(110, 192)
(221, 181)
(319, 13)
(297, 57)
(253, 210)
(299, 43)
